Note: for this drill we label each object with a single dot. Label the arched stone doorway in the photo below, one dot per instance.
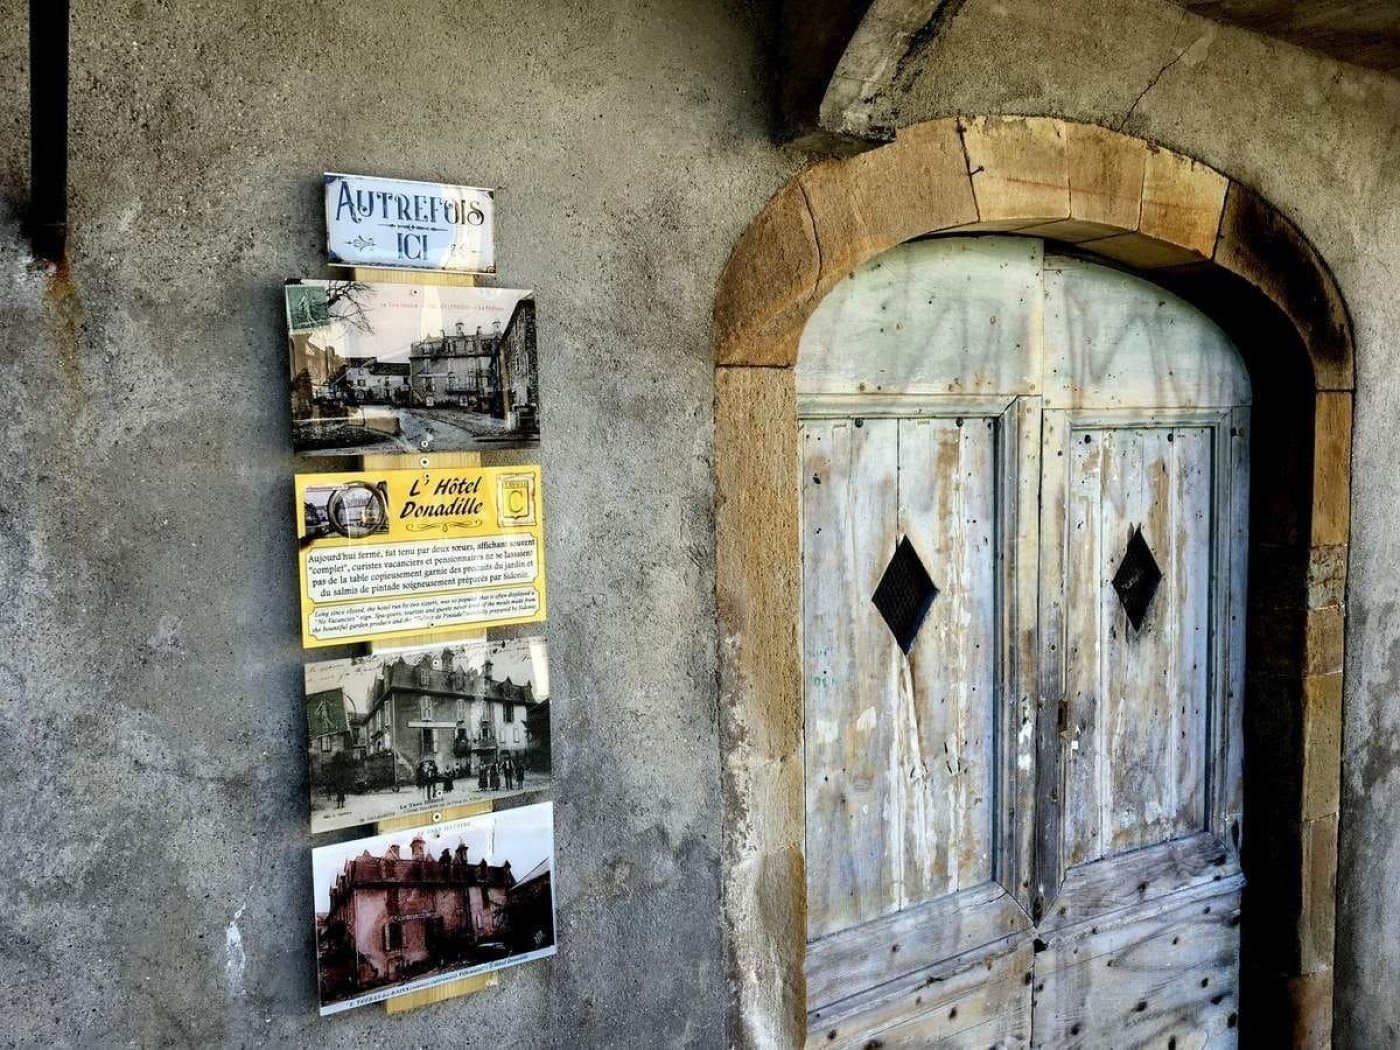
(1180, 224)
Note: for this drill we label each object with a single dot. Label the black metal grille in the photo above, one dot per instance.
(904, 594)
(1136, 579)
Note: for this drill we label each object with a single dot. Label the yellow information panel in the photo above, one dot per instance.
(389, 554)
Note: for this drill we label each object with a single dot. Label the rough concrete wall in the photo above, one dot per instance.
(1321, 141)
(155, 854)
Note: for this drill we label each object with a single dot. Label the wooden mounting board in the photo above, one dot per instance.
(467, 985)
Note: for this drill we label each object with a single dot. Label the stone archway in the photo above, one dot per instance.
(1171, 219)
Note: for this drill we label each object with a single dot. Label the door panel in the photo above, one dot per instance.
(1141, 904)
(899, 753)
(971, 1002)
(947, 510)
(902, 765)
(1158, 977)
(1138, 698)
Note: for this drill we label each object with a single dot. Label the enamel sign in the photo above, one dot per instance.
(419, 225)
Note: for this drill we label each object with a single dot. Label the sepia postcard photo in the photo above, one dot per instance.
(416, 730)
(396, 368)
(411, 909)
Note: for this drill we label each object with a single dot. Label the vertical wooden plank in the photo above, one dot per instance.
(1017, 544)
(1199, 528)
(1136, 738)
(855, 824)
(1050, 773)
(1227, 719)
(1083, 584)
(1134, 662)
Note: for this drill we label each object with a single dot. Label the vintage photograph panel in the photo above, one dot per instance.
(395, 368)
(411, 731)
(407, 910)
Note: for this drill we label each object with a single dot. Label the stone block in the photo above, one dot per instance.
(1141, 252)
(1272, 254)
(1324, 631)
(869, 203)
(1309, 1005)
(767, 284)
(1331, 504)
(1106, 172)
(1181, 202)
(756, 545)
(1317, 921)
(1327, 576)
(1020, 170)
(1322, 745)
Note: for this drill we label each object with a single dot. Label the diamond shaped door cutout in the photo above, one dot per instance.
(1137, 579)
(904, 594)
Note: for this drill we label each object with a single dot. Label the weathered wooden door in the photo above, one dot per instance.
(1023, 537)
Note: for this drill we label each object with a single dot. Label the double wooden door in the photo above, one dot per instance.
(1022, 643)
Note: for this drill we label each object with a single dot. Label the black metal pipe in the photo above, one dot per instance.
(48, 128)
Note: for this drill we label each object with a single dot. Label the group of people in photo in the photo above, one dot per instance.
(504, 774)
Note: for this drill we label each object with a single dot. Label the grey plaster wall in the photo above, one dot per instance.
(1321, 140)
(154, 856)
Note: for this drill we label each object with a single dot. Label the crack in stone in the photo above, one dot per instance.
(967, 165)
(816, 238)
(1158, 75)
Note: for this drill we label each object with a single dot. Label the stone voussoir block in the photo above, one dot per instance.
(869, 203)
(767, 284)
(1259, 244)
(1020, 170)
(1106, 172)
(1182, 201)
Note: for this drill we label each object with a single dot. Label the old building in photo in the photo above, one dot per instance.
(420, 729)
(393, 917)
(367, 380)
(450, 901)
(316, 371)
(334, 740)
(487, 371)
(457, 718)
